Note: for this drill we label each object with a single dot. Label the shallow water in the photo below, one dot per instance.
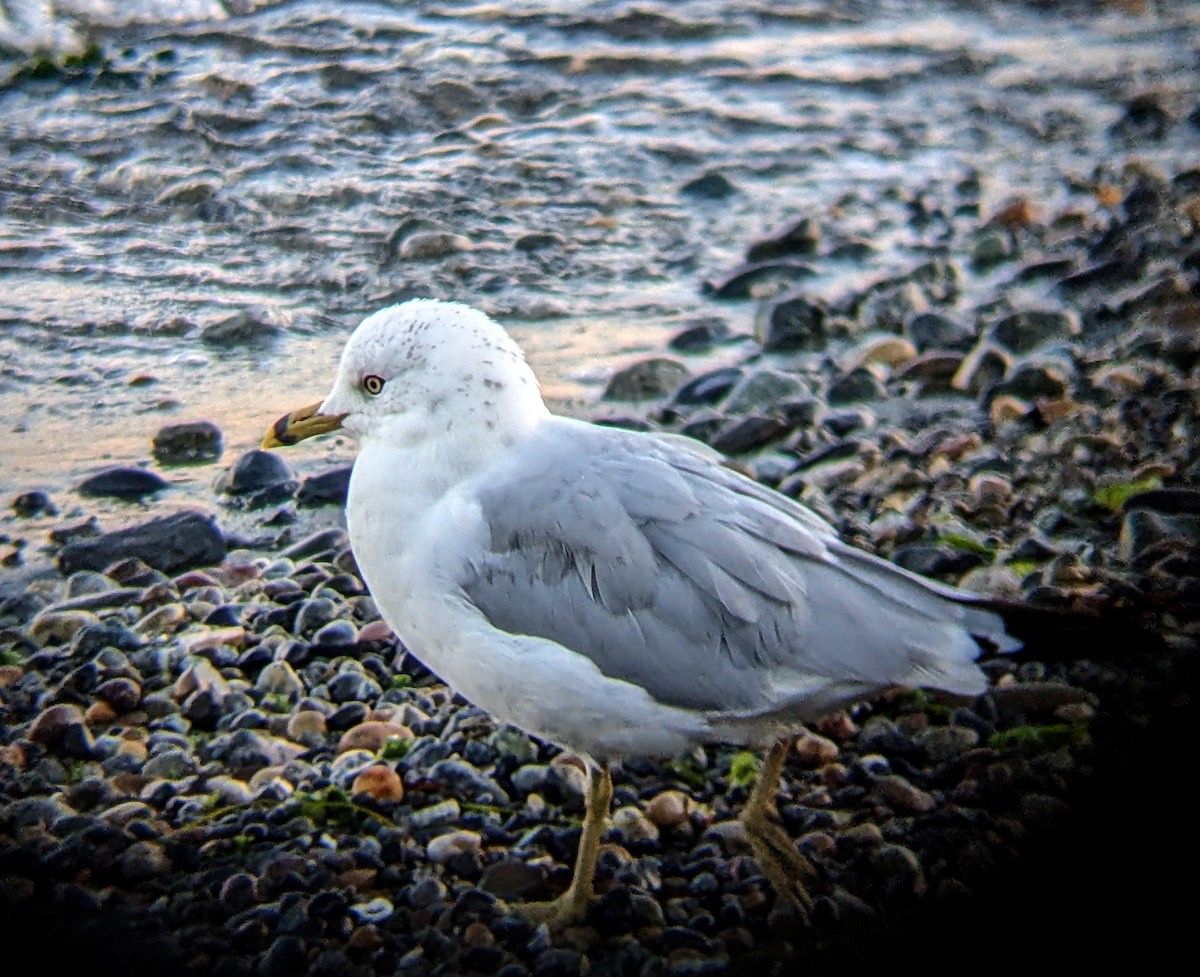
(278, 159)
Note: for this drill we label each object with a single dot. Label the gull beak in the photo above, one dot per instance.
(300, 424)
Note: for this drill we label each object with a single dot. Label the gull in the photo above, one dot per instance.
(618, 593)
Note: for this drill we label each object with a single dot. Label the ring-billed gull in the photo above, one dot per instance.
(618, 593)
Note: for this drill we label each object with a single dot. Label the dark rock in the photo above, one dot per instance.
(1145, 118)
(35, 503)
(740, 282)
(936, 561)
(794, 323)
(1030, 381)
(700, 337)
(245, 326)
(932, 330)
(709, 186)
(750, 434)
(1148, 536)
(1024, 331)
(171, 544)
(708, 388)
(538, 241)
(123, 483)
(1173, 501)
(703, 428)
(1110, 274)
(92, 638)
(559, 963)
(322, 541)
(286, 957)
(190, 441)
(258, 478)
(857, 385)
(801, 237)
(327, 488)
(646, 380)
(511, 879)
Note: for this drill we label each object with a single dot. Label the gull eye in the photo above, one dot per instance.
(372, 384)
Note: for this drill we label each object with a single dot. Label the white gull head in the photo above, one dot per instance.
(434, 369)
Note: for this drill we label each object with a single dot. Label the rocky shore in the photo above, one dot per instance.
(214, 756)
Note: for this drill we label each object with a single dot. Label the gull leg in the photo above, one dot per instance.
(776, 853)
(572, 905)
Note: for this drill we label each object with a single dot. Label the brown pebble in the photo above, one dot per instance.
(375, 631)
(12, 755)
(837, 726)
(816, 751)
(52, 627)
(50, 724)
(380, 782)
(669, 809)
(306, 722)
(364, 939)
(372, 735)
(1005, 408)
(162, 621)
(903, 796)
(865, 835)
(122, 694)
(817, 842)
(835, 774)
(477, 934)
(10, 674)
(100, 714)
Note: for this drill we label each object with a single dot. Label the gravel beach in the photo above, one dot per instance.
(215, 757)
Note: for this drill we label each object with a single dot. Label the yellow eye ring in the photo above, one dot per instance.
(373, 384)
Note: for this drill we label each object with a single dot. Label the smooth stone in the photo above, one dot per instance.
(372, 736)
(1031, 381)
(245, 326)
(187, 442)
(34, 503)
(380, 782)
(699, 338)
(745, 280)
(1028, 329)
(169, 544)
(279, 678)
(904, 796)
(858, 385)
(792, 324)
(936, 561)
(443, 848)
(800, 237)
(444, 812)
(122, 694)
(51, 724)
(750, 434)
(645, 380)
(890, 350)
(321, 541)
(327, 488)
(1178, 500)
(931, 331)
(708, 388)
(259, 478)
(762, 390)
(57, 627)
(943, 743)
(431, 245)
(123, 483)
(712, 185)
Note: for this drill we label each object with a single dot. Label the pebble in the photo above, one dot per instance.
(187, 443)
(380, 782)
(669, 809)
(122, 483)
(645, 380)
(372, 736)
(443, 848)
(816, 751)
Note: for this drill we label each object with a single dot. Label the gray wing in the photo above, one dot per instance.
(700, 585)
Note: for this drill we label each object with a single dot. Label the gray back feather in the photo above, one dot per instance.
(708, 590)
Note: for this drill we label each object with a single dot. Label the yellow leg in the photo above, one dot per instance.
(777, 855)
(571, 906)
